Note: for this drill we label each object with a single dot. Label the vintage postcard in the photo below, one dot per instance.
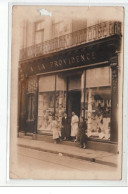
(66, 92)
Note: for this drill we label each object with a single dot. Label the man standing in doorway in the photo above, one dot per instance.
(74, 126)
(65, 128)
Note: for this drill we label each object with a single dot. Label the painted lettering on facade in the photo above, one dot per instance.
(72, 60)
(68, 59)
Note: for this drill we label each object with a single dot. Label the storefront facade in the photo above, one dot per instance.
(81, 79)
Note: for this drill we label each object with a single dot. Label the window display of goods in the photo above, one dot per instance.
(98, 112)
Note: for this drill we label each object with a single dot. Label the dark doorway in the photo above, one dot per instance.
(74, 99)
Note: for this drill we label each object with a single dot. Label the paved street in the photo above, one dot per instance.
(33, 164)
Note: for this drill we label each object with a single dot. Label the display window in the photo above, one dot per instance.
(98, 103)
(45, 110)
(51, 100)
(46, 98)
(98, 112)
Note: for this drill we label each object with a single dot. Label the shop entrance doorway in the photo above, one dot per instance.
(74, 99)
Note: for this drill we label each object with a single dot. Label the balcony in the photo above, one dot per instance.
(76, 38)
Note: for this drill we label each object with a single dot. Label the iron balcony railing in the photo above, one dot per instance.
(88, 34)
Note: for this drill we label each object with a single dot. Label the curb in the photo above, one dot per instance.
(70, 155)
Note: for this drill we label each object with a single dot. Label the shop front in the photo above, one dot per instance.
(85, 92)
(82, 79)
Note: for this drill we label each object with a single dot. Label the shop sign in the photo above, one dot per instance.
(68, 59)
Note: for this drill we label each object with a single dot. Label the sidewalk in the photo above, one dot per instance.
(70, 149)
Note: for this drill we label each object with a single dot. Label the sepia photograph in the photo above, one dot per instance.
(66, 92)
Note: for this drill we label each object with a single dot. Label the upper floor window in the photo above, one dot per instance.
(39, 32)
(57, 29)
(61, 28)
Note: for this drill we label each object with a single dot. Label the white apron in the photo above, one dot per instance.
(74, 125)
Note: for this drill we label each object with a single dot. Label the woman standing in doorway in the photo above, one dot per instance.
(74, 126)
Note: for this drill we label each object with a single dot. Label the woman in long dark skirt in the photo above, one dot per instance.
(81, 134)
(65, 128)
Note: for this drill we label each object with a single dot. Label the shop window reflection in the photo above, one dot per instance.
(98, 112)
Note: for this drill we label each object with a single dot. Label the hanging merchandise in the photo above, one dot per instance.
(102, 103)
